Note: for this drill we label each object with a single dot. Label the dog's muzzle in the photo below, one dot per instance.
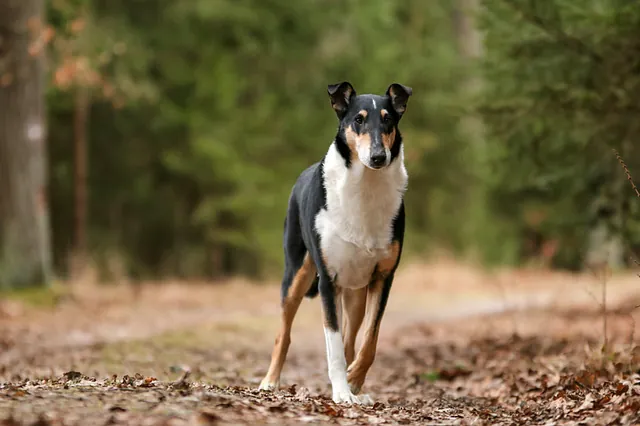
(378, 160)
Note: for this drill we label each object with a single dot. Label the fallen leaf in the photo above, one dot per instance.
(586, 378)
(330, 410)
(587, 404)
(207, 418)
(302, 394)
(621, 388)
(72, 375)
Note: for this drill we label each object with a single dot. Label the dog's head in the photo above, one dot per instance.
(369, 123)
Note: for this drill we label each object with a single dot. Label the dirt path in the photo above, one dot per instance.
(457, 347)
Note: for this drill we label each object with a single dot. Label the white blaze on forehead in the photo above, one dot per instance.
(374, 103)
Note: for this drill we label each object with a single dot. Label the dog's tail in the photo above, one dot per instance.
(313, 290)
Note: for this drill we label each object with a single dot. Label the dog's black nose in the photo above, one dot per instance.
(378, 160)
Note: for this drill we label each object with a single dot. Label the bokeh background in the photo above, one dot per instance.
(175, 129)
(147, 152)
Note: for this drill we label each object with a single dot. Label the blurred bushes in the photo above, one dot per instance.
(206, 111)
(195, 180)
(563, 79)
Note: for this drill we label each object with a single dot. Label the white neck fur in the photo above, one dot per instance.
(362, 203)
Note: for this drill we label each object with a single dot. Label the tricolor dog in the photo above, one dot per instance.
(343, 235)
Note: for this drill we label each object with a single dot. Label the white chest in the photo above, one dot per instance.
(356, 227)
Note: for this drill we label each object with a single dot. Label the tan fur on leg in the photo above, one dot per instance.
(358, 369)
(299, 286)
(354, 304)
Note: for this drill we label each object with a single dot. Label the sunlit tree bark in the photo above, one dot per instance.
(24, 224)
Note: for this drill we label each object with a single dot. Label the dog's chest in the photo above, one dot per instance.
(356, 228)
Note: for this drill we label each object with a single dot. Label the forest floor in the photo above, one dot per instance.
(458, 346)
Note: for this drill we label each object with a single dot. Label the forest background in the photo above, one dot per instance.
(168, 134)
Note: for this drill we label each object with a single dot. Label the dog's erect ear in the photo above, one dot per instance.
(399, 95)
(341, 94)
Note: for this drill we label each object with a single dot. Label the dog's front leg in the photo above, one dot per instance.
(377, 296)
(336, 361)
(353, 309)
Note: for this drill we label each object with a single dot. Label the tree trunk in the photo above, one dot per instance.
(80, 180)
(25, 252)
(469, 41)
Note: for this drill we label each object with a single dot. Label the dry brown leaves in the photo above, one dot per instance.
(483, 381)
(474, 371)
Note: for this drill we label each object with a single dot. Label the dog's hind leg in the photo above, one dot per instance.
(300, 283)
(300, 272)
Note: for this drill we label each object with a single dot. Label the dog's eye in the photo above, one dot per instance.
(359, 119)
(386, 119)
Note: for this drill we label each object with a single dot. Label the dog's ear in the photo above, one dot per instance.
(399, 95)
(341, 95)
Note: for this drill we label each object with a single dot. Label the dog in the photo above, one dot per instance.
(343, 236)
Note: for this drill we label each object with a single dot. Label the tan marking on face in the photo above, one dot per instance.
(363, 113)
(353, 305)
(388, 139)
(299, 286)
(355, 140)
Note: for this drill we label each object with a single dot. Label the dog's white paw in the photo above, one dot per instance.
(268, 386)
(349, 398)
(365, 399)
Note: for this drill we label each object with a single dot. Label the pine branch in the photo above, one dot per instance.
(557, 33)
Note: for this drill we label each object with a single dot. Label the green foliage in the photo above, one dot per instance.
(193, 178)
(561, 83)
(204, 112)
